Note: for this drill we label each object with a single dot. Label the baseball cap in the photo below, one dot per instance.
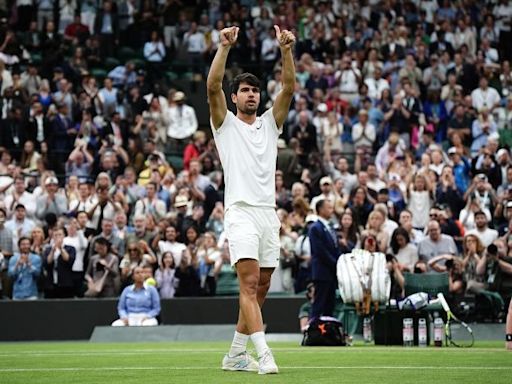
(509, 204)
(51, 180)
(452, 150)
(501, 152)
(281, 144)
(325, 180)
(322, 107)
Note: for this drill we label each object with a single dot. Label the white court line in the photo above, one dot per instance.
(133, 352)
(93, 369)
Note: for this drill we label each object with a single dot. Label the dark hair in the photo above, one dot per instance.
(353, 230)
(245, 77)
(319, 204)
(24, 238)
(394, 243)
(478, 213)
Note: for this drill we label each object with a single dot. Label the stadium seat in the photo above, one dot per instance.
(125, 54)
(99, 73)
(111, 63)
(227, 282)
(431, 283)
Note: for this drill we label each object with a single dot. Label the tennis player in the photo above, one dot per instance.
(247, 146)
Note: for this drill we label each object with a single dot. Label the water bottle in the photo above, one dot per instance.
(408, 332)
(438, 332)
(422, 332)
(367, 330)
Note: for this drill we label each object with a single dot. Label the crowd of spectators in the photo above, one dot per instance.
(401, 116)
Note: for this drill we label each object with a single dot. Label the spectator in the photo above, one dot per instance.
(485, 234)
(436, 243)
(58, 260)
(405, 252)
(455, 268)
(102, 273)
(24, 270)
(209, 263)
(165, 277)
(139, 304)
(76, 239)
(134, 258)
(20, 225)
(19, 195)
(182, 121)
(421, 198)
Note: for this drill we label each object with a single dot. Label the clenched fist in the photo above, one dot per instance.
(228, 36)
(285, 38)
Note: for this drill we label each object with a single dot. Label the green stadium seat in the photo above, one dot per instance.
(99, 73)
(111, 63)
(227, 282)
(175, 161)
(431, 283)
(125, 54)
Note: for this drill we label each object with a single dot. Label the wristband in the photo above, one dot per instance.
(508, 337)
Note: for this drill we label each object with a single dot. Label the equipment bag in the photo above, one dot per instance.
(361, 270)
(324, 331)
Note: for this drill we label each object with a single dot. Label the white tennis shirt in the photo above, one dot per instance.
(248, 153)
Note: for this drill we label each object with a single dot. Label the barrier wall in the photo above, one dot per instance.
(76, 319)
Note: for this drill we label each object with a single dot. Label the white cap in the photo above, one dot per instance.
(322, 107)
(51, 180)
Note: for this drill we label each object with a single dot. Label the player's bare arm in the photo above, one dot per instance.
(216, 97)
(286, 41)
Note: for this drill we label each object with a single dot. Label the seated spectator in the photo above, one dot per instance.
(24, 270)
(165, 277)
(139, 304)
(58, 260)
(436, 243)
(455, 268)
(102, 273)
(405, 253)
(117, 244)
(396, 276)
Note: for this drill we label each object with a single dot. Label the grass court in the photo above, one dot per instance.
(199, 363)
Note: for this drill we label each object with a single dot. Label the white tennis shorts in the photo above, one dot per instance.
(253, 233)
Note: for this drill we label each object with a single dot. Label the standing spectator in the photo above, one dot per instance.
(139, 304)
(209, 263)
(58, 260)
(102, 273)
(305, 132)
(421, 198)
(20, 195)
(154, 53)
(106, 26)
(19, 224)
(195, 44)
(485, 96)
(324, 256)
(481, 129)
(76, 239)
(24, 270)
(51, 201)
(182, 121)
(105, 208)
(151, 204)
(363, 136)
(6, 250)
(165, 277)
(485, 234)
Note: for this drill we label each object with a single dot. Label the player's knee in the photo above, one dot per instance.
(249, 286)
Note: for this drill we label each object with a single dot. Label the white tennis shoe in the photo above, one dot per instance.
(267, 363)
(241, 362)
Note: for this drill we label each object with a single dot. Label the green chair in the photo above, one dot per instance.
(125, 54)
(175, 161)
(99, 73)
(227, 282)
(431, 283)
(111, 63)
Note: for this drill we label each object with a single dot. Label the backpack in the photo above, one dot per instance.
(324, 331)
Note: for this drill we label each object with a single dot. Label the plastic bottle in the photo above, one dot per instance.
(422, 332)
(438, 332)
(408, 332)
(367, 330)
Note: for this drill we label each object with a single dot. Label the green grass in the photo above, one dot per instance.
(199, 363)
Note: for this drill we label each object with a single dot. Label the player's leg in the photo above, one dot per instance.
(508, 328)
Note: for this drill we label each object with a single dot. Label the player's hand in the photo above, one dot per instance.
(228, 36)
(285, 38)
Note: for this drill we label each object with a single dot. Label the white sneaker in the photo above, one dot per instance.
(267, 363)
(241, 362)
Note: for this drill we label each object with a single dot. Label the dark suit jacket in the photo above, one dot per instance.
(30, 125)
(64, 272)
(324, 253)
(98, 23)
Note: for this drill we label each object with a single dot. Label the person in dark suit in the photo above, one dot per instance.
(58, 261)
(106, 26)
(324, 256)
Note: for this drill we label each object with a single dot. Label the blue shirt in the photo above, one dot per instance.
(144, 300)
(24, 277)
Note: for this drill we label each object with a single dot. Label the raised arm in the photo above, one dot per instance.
(216, 97)
(286, 41)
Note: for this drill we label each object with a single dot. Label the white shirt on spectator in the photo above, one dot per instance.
(488, 98)
(487, 236)
(176, 248)
(375, 87)
(363, 135)
(348, 80)
(182, 121)
(26, 198)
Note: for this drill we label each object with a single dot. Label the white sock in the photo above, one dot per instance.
(258, 339)
(239, 344)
